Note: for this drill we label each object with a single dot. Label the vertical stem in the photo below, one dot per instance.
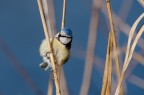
(49, 15)
(63, 15)
(106, 86)
(114, 41)
(62, 26)
(90, 50)
(58, 91)
(64, 87)
(50, 87)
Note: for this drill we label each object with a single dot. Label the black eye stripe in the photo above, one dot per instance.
(63, 36)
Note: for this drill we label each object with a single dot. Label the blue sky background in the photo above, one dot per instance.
(21, 33)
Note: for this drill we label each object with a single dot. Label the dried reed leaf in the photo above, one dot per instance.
(129, 51)
(141, 2)
(133, 47)
(131, 35)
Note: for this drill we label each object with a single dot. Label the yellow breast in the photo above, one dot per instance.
(61, 52)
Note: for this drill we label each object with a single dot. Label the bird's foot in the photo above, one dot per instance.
(46, 54)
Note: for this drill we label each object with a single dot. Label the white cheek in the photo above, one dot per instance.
(62, 39)
(65, 40)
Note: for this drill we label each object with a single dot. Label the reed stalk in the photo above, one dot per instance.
(62, 80)
(50, 87)
(125, 9)
(56, 80)
(106, 86)
(64, 87)
(114, 42)
(90, 50)
(125, 28)
(49, 15)
(63, 15)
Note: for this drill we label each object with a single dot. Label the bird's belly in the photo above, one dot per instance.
(62, 56)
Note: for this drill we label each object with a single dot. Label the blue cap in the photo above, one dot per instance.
(67, 31)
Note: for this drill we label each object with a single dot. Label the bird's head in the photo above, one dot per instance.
(65, 36)
(67, 32)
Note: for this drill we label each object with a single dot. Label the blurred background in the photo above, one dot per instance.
(21, 33)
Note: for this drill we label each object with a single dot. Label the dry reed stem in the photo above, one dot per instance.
(62, 79)
(50, 87)
(106, 86)
(58, 91)
(129, 51)
(64, 87)
(125, 28)
(49, 15)
(50, 3)
(123, 13)
(90, 50)
(45, 8)
(98, 61)
(50, 20)
(21, 70)
(110, 69)
(114, 41)
(141, 2)
(121, 24)
(136, 81)
(138, 58)
(109, 86)
(125, 8)
(63, 15)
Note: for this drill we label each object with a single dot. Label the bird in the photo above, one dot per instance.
(61, 45)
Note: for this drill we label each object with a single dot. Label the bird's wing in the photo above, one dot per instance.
(44, 47)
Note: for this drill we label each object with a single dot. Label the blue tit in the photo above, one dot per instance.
(61, 45)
